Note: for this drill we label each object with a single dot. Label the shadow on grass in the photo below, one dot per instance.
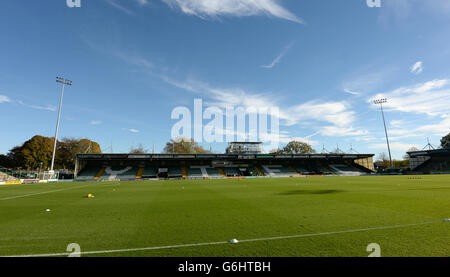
(308, 192)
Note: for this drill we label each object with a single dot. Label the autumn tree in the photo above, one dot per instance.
(183, 145)
(138, 149)
(68, 148)
(383, 159)
(445, 142)
(36, 150)
(296, 147)
(39, 149)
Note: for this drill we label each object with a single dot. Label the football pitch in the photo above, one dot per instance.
(282, 217)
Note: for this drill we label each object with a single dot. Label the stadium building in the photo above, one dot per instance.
(430, 161)
(242, 159)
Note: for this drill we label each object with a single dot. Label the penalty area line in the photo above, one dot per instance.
(228, 242)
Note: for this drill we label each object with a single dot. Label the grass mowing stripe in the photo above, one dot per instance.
(38, 193)
(227, 242)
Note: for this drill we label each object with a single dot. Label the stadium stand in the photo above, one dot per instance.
(149, 166)
(343, 169)
(196, 172)
(278, 171)
(6, 177)
(213, 172)
(175, 172)
(14, 175)
(119, 173)
(231, 171)
(430, 161)
(149, 172)
(88, 173)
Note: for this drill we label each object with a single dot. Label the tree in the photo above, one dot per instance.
(183, 145)
(39, 150)
(6, 161)
(68, 148)
(383, 159)
(445, 142)
(412, 149)
(138, 150)
(34, 151)
(296, 147)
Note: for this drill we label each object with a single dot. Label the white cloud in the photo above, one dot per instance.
(96, 122)
(4, 99)
(217, 8)
(337, 115)
(431, 98)
(50, 108)
(439, 129)
(395, 146)
(278, 59)
(417, 68)
(134, 131)
(116, 5)
(142, 2)
(340, 131)
(367, 79)
(351, 92)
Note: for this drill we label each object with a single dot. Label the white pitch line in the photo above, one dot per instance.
(38, 193)
(227, 242)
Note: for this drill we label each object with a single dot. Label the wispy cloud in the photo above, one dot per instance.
(328, 118)
(395, 146)
(346, 90)
(334, 118)
(368, 79)
(417, 68)
(216, 8)
(122, 8)
(134, 131)
(280, 56)
(400, 10)
(431, 98)
(50, 108)
(96, 122)
(4, 99)
(142, 2)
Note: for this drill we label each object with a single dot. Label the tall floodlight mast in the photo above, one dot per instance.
(64, 83)
(381, 102)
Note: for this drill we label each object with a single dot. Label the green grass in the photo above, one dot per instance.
(127, 215)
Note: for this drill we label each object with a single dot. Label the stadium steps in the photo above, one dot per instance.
(184, 172)
(99, 174)
(222, 173)
(213, 172)
(295, 170)
(139, 173)
(174, 171)
(150, 172)
(195, 172)
(328, 170)
(6, 177)
(259, 171)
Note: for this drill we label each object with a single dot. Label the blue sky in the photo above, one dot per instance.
(133, 61)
